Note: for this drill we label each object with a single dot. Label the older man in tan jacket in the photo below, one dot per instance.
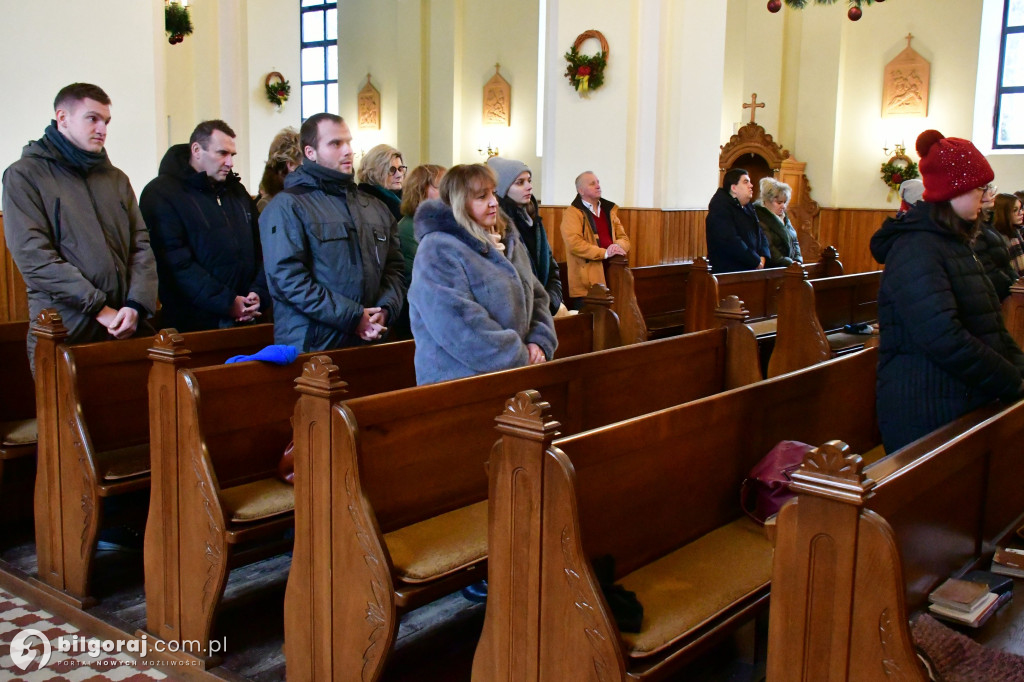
(592, 232)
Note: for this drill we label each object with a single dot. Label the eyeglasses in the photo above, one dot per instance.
(990, 188)
(397, 169)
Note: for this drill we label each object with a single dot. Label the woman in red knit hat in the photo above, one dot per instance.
(944, 348)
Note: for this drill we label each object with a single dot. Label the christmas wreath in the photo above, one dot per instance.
(854, 13)
(896, 170)
(278, 89)
(586, 73)
(177, 22)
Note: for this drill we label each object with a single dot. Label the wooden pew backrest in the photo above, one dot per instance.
(689, 486)
(17, 399)
(413, 436)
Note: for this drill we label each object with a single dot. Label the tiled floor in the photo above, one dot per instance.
(16, 615)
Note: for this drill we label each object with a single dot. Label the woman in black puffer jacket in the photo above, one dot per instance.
(944, 348)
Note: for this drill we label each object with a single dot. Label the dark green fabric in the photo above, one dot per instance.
(79, 159)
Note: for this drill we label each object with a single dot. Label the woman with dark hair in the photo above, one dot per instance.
(285, 156)
(381, 174)
(515, 198)
(474, 303)
(998, 248)
(1007, 218)
(944, 348)
(421, 184)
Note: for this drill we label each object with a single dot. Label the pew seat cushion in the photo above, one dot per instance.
(19, 432)
(258, 500)
(764, 327)
(439, 546)
(689, 587)
(123, 463)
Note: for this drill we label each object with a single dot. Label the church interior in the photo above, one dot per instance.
(633, 445)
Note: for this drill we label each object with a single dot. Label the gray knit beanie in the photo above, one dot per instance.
(507, 171)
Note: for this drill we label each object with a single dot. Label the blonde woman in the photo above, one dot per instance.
(783, 242)
(381, 174)
(475, 304)
(285, 156)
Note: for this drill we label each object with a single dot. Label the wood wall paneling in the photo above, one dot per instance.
(13, 297)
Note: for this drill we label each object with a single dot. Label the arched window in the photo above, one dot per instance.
(1009, 111)
(319, 57)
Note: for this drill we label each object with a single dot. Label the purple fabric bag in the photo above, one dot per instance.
(766, 487)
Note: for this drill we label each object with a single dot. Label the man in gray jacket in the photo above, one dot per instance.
(73, 226)
(331, 252)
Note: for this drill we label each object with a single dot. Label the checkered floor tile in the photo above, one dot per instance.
(17, 615)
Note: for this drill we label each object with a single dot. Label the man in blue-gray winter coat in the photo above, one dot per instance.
(331, 252)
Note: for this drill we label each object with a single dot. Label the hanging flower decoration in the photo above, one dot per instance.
(897, 170)
(177, 22)
(586, 73)
(277, 88)
(854, 13)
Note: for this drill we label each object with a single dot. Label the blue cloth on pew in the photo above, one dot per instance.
(277, 354)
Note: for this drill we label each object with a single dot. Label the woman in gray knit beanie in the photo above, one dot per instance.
(515, 197)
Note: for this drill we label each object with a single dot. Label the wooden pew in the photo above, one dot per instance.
(812, 314)
(18, 427)
(860, 548)
(660, 494)
(391, 489)
(656, 301)
(92, 407)
(1013, 312)
(758, 289)
(220, 447)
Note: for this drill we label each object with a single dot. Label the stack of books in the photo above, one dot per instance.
(1009, 561)
(972, 600)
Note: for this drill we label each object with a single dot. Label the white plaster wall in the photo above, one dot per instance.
(693, 98)
(272, 45)
(47, 44)
(587, 133)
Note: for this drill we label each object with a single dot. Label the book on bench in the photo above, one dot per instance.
(963, 596)
(1008, 561)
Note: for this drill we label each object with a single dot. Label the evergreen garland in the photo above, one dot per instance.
(177, 21)
(800, 4)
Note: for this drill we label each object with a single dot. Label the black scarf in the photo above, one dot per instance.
(79, 159)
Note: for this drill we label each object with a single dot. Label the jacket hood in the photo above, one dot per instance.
(433, 215)
(176, 163)
(917, 219)
(722, 200)
(314, 176)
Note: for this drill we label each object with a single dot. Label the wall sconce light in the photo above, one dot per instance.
(488, 151)
(897, 151)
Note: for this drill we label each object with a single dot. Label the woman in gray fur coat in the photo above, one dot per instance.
(474, 302)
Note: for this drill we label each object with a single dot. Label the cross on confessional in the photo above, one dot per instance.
(753, 106)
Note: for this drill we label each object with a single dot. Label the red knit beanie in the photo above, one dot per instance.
(950, 166)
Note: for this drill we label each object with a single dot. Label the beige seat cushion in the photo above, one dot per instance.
(20, 432)
(764, 327)
(116, 465)
(258, 500)
(873, 455)
(439, 546)
(687, 588)
(842, 341)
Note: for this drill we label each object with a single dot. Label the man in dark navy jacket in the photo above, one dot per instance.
(205, 235)
(735, 238)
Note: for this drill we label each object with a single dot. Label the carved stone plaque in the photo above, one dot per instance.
(369, 107)
(497, 101)
(905, 90)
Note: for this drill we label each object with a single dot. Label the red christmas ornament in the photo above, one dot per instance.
(855, 14)
(897, 178)
(774, 6)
